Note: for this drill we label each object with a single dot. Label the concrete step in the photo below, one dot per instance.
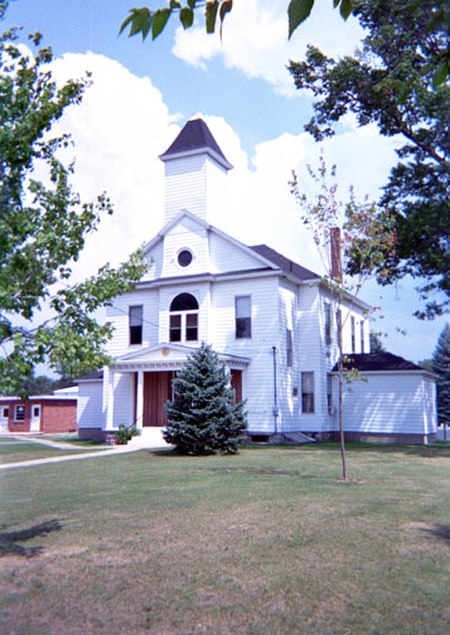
(296, 437)
(149, 437)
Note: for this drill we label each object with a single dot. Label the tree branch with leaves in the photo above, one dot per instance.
(152, 22)
(43, 228)
(388, 83)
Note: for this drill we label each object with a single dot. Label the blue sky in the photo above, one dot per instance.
(143, 92)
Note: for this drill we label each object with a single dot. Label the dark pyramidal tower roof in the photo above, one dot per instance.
(196, 138)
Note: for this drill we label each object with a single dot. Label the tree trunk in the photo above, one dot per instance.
(341, 418)
(340, 403)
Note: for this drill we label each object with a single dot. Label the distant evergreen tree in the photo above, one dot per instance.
(204, 418)
(427, 364)
(38, 385)
(441, 366)
(42, 385)
(376, 343)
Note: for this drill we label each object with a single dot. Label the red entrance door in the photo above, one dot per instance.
(236, 384)
(157, 390)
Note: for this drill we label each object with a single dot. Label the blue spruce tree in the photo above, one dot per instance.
(204, 418)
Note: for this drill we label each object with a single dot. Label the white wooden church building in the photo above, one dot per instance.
(270, 320)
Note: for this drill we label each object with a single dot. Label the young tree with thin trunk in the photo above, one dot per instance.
(352, 234)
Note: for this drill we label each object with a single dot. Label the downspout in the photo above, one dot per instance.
(275, 394)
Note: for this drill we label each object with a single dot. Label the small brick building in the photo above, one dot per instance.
(42, 413)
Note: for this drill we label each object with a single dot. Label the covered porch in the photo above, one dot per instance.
(150, 373)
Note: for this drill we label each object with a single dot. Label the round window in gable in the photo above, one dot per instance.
(184, 258)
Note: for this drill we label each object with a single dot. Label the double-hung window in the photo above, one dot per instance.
(19, 414)
(135, 320)
(243, 312)
(183, 319)
(339, 327)
(289, 349)
(353, 333)
(330, 393)
(361, 326)
(327, 324)
(308, 393)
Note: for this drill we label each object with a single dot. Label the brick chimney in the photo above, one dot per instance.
(336, 254)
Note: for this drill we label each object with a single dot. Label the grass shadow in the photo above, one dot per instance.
(437, 449)
(254, 471)
(438, 531)
(10, 540)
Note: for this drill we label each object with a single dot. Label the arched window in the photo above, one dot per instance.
(183, 321)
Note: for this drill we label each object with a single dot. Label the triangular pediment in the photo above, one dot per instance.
(168, 356)
(212, 250)
(156, 353)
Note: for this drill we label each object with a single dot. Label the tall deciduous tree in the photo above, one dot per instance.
(388, 83)
(204, 418)
(441, 366)
(43, 227)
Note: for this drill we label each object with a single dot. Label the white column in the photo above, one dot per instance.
(140, 400)
(110, 405)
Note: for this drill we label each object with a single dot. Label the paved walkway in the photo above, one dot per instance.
(115, 449)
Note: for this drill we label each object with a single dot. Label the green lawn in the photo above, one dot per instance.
(16, 450)
(268, 542)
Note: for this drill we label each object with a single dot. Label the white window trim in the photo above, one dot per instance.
(184, 315)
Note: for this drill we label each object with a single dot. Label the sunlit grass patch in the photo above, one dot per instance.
(267, 541)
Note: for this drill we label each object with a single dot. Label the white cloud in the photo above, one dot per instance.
(255, 40)
(118, 130)
(123, 124)
(264, 210)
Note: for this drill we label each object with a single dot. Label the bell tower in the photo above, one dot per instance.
(195, 171)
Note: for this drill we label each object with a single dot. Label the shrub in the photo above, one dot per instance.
(124, 433)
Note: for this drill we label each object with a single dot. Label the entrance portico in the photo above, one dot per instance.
(150, 373)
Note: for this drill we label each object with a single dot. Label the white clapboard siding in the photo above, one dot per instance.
(89, 405)
(186, 234)
(226, 255)
(287, 376)
(312, 355)
(155, 261)
(117, 314)
(185, 186)
(212, 251)
(194, 183)
(429, 405)
(390, 403)
(123, 399)
(349, 310)
(258, 384)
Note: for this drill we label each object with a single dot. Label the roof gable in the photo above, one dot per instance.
(224, 253)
